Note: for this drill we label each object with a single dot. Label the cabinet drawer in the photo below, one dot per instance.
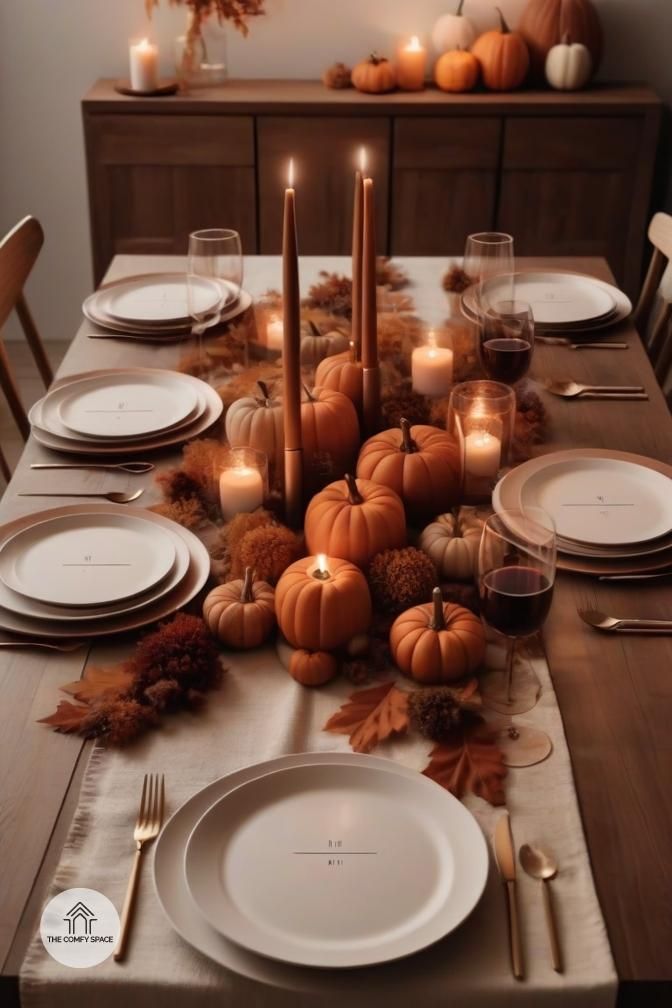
(570, 144)
(173, 140)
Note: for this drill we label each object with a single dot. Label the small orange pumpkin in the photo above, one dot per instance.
(374, 75)
(503, 57)
(343, 374)
(241, 613)
(456, 70)
(312, 668)
(322, 613)
(422, 466)
(437, 643)
(355, 520)
(329, 434)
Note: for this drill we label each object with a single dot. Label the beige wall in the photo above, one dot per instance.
(51, 51)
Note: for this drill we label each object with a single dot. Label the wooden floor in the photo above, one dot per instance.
(30, 388)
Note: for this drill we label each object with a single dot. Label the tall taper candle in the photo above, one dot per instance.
(291, 358)
(357, 257)
(371, 372)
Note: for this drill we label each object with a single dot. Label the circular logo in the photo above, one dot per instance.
(80, 928)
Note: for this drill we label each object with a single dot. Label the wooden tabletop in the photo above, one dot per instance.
(615, 693)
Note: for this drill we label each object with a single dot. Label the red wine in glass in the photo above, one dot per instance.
(516, 600)
(507, 341)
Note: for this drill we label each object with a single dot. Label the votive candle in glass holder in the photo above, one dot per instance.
(481, 414)
(432, 368)
(266, 344)
(143, 58)
(243, 481)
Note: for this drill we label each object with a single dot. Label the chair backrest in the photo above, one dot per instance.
(655, 331)
(19, 250)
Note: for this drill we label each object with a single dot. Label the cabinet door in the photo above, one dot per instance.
(568, 186)
(153, 179)
(444, 182)
(325, 152)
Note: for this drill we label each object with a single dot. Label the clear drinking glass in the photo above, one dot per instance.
(488, 254)
(506, 341)
(214, 281)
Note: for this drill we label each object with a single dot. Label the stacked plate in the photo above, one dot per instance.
(118, 411)
(156, 306)
(289, 864)
(560, 302)
(612, 510)
(94, 569)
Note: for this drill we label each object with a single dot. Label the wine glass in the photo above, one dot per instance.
(516, 574)
(506, 340)
(214, 280)
(488, 254)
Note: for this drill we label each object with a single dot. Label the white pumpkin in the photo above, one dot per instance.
(257, 422)
(568, 65)
(453, 31)
(452, 545)
(316, 346)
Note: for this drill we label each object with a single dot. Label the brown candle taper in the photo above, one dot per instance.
(357, 267)
(371, 373)
(291, 363)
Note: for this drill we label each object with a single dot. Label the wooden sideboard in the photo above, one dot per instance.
(567, 174)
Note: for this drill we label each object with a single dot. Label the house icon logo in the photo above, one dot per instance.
(79, 916)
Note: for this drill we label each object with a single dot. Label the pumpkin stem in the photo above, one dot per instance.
(505, 27)
(376, 59)
(458, 12)
(311, 397)
(407, 443)
(438, 621)
(354, 495)
(246, 594)
(266, 395)
(313, 328)
(565, 39)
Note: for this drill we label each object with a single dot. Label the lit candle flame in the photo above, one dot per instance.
(290, 174)
(414, 44)
(362, 160)
(144, 44)
(478, 412)
(322, 564)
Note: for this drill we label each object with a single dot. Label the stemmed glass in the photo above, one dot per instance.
(516, 574)
(214, 280)
(506, 340)
(488, 254)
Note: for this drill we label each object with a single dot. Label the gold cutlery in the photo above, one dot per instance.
(541, 864)
(563, 341)
(505, 857)
(72, 646)
(600, 621)
(114, 496)
(127, 467)
(571, 389)
(147, 828)
(636, 577)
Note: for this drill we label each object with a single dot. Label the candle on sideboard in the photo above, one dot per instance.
(411, 65)
(371, 372)
(432, 368)
(144, 60)
(274, 332)
(357, 255)
(291, 356)
(241, 489)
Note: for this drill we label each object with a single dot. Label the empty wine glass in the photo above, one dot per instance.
(506, 340)
(214, 280)
(488, 254)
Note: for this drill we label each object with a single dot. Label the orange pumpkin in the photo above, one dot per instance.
(503, 57)
(330, 436)
(355, 520)
(312, 668)
(544, 23)
(257, 422)
(343, 374)
(456, 70)
(322, 613)
(422, 465)
(437, 643)
(241, 613)
(374, 75)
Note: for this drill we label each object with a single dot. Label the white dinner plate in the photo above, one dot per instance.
(555, 298)
(315, 866)
(86, 560)
(602, 502)
(180, 596)
(162, 298)
(131, 405)
(157, 332)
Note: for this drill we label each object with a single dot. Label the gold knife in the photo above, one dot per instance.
(502, 842)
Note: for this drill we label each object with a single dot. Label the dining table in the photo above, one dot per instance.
(614, 692)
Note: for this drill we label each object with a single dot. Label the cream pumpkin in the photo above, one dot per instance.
(437, 643)
(453, 31)
(257, 422)
(452, 544)
(239, 613)
(315, 346)
(544, 23)
(568, 66)
(322, 613)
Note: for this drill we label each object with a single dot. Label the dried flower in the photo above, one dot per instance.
(333, 293)
(337, 76)
(435, 712)
(189, 513)
(455, 280)
(182, 650)
(389, 274)
(118, 720)
(401, 578)
(235, 11)
(403, 401)
(177, 485)
(269, 550)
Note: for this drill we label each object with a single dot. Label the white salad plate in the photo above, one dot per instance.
(158, 298)
(93, 310)
(297, 865)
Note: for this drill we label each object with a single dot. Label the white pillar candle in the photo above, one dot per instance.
(274, 332)
(432, 369)
(144, 59)
(241, 489)
(482, 454)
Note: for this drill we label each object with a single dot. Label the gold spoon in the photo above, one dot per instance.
(541, 864)
(114, 496)
(572, 389)
(42, 644)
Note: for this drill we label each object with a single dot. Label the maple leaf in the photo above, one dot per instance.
(370, 716)
(67, 717)
(99, 682)
(469, 761)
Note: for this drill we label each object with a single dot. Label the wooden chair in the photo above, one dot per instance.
(656, 333)
(19, 250)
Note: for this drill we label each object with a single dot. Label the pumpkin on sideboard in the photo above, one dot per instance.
(453, 31)
(320, 613)
(355, 519)
(257, 422)
(343, 374)
(568, 65)
(544, 23)
(329, 435)
(503, 57)
(374, 75)
(437, 643)
(456, 71)
(312, 668)
(239, 613)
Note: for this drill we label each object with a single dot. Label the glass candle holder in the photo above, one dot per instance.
(481, 414)
(242, 481)
(265, 341)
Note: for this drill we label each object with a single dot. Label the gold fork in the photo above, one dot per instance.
(147, 828)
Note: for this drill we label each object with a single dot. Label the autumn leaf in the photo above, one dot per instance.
(98, 682)
(67, 717)
(469, 761)
(370, 716)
